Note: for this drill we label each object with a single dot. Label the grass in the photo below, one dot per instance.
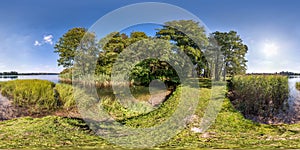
(36, 95)
(48, 132)
(298, 86)
(100, 80)
(260, 95)
(39, 96)
(230, 129)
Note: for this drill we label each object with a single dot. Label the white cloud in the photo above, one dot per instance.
(48, 39)
(37, 43)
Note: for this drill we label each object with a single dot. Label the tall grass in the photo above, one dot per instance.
(35, 94)
(100, 80)
(298, 86)
(65, 95)
(38, 96)
(258, 95)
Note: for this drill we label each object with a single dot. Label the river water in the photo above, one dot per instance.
(294, 99)
(53, 78)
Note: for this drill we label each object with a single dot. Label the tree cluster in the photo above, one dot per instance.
(216, 55)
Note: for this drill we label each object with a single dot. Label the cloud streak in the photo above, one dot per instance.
(47, 39)
(37, 43)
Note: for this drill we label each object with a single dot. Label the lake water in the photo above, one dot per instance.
(294, 98)
(53, 78)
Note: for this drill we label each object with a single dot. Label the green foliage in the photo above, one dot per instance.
(233, 50)
(297, 85)
(190, 37)
(260, 95)
(70, 96)
(65, 95)
(67, 45)
(41, 95)
(117, 111)
(36, 95)
(112, 45)
(86, 56)
(230, 130)
(48, 132)
(185, 36)
(66, 74)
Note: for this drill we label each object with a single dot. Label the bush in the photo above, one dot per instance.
(34, 94)
(259, 95)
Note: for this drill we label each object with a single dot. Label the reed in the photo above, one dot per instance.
(260, 95)
(34, 94)
(298, 86)
(100, 81)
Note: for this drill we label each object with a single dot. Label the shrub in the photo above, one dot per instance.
(259, 95)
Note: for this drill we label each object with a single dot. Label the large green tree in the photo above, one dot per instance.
(137, 44)
(67, 45)
(233, 50)
(190, 37)
(112, 45)
(87, 53)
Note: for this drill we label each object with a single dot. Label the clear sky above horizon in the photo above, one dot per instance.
(29, 29)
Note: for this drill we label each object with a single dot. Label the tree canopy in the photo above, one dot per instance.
(218, 54)
(233, 50)
(190, 37)
(67, 45)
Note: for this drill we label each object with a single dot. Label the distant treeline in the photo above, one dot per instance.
(16, 73)
(276, 73)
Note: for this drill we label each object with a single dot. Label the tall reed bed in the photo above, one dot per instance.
(37, 95)
(100, 81)
(298, 86)
(41, 96)
(260, 95)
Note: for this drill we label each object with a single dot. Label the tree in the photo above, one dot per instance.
(86, 55)
(215, 58)
(233, 50)
(67, 45)
(111, 46)
(143, 72)
(190, 37)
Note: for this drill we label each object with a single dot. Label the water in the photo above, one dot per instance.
(52, 78)
(294, 98)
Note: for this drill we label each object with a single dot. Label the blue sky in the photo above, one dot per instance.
(29, 29)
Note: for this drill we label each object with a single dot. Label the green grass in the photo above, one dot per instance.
(36, 95)
(260, 95)
(297, 85)
(40, 95)
(230, 129)
(48, 132)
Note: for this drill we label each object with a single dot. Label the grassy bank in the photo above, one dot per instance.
(259, 95)
(35, 95)
(230, 130)
(39, 97)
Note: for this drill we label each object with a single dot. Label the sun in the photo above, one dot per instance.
(270, 49)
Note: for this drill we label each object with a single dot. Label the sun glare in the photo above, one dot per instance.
(270, 49)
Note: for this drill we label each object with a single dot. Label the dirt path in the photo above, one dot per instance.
(158, 98)
(7, 110)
